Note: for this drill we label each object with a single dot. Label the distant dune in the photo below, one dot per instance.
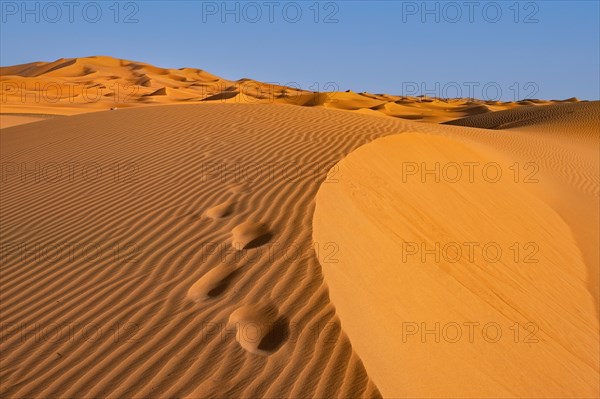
(567, 116)
(77, 85)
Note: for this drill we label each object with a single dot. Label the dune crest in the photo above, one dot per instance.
(87, 84)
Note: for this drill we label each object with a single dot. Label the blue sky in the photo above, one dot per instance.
(507, 49)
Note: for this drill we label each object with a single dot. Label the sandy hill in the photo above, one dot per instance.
(77, 85)
(563, 116)
(177, 189)
(486, 287)
(197, 244)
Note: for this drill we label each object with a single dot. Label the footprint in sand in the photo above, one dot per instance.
(212, 284)
(250, 235)
(259, 328)
(221, 211)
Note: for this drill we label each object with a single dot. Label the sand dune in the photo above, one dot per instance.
(561, 117)
(175, 302)
(81, 85)
(562, 143)
(187, 244)
(408, 291)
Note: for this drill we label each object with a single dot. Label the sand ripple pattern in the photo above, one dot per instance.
(132, 328)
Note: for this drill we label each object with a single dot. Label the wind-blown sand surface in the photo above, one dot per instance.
(172, 209)
(392, 295)
(179, 248)
(8, 120)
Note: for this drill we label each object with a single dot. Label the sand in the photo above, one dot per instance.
(190, 246)
(8, 120)
(157, 211)
(422, 312)
(70, 86)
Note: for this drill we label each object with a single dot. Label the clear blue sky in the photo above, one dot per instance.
(549, 49)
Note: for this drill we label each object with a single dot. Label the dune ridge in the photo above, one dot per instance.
(78, 85)
(574, 117)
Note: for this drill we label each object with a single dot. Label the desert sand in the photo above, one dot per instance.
(80, 85)
(200, 243)
(439, 322)
(8, 120)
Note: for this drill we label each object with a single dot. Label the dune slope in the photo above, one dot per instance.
(141, 232)
(456, 287)
(168, 251)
